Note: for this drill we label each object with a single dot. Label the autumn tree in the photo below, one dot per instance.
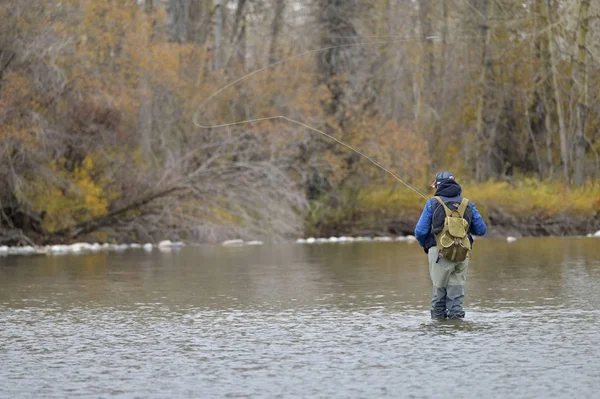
(98, 98)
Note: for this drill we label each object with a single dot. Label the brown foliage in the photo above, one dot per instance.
(97, 98)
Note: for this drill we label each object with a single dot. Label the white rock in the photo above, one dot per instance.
(121, 247)
(511, 239)
(135, 246)
(300, 241)
(346, 239)
(310, 240)
(80, 246)
(229, 242)
(165, 244)
(165, 249)
(383, 239)
(40, 250)
(321, 240)
(256, 242)
(26, 250)
(333, 239)
(411, 238)
(597, 234)
(400, 238)
(148, 247)
(178, 244)
(106, 246)
(3, 249)
(58, 248)
(95, 247)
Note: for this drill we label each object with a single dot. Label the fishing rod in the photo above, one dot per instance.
(285, 118)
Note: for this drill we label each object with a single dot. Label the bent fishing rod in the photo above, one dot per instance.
(288, 119)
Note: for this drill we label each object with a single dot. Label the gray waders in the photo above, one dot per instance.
(448, 280)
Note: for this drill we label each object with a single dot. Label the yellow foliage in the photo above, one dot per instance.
(395, 201)
(531, 197)
(526, 198)
(81, 196)
(109, 41)
(223, 215)
(94, 202)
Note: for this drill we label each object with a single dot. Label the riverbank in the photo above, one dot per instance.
(168, 246)
(523, 209)
(84, 247)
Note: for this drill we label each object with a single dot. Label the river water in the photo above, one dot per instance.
(327, 320)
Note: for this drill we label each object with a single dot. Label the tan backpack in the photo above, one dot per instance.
(453, 241)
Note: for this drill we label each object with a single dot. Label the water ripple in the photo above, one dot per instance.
(318, 352)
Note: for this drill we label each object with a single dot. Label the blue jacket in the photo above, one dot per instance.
(447, 191)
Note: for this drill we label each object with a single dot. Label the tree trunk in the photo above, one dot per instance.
(241, 47)
(218, 31)
(417, 77)
(444, 75)
(536, 110)
(198, 21)
(481, 170)
(238, 37)
(546, 96)
(540, 165)
(429, 92)
(276, 29)
(237, 22)
(144, 122)
(582, 106)
(427, 31)
(188, 20)
(177, 11)
(149, 6)
(551, 65)
(337, 64)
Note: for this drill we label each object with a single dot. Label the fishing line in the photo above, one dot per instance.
(285, 118)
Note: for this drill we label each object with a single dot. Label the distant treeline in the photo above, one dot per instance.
(97, 99)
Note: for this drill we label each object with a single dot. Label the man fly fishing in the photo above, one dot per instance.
(445, 231)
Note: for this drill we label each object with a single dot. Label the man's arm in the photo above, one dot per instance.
(478, 227)
(424, 224)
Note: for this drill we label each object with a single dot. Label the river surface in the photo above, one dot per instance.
(317, 321)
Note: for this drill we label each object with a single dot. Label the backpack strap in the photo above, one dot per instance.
(446, 209)
(463, 207)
